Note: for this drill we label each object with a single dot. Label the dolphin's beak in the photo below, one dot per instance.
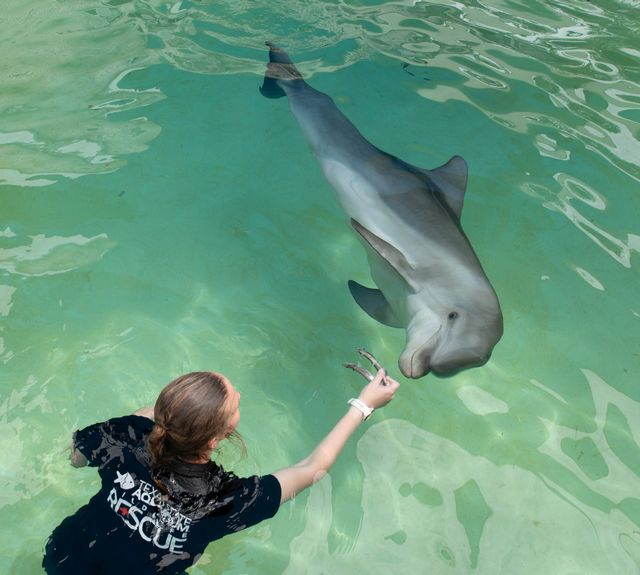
(408, 370)
(415, 362)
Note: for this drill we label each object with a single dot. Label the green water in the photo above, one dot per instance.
(160, 216)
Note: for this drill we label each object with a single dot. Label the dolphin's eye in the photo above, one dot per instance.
(453, 315)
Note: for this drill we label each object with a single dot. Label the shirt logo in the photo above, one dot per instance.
(125, 480)
(145, 512)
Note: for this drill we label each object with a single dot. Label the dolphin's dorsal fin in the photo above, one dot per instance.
(373, 302)
(394, 257)
(452, 180)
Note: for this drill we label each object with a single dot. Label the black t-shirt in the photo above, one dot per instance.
(131, 527)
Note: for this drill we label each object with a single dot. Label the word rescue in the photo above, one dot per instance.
(144, 511)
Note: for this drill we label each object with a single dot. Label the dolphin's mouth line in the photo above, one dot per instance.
(427, 343)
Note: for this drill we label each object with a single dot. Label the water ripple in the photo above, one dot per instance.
(474, 515)
(72, 57)
(571, 190)
(53, 255)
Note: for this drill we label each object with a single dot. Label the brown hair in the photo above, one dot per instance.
(189, 412)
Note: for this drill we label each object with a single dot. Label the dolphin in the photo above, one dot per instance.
(430, 281)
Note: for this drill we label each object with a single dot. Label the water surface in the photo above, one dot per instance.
(160, 216)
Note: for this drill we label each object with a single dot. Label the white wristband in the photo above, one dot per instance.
(362, 407)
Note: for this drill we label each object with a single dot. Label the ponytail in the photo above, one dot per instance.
(189, 412)
(156, 444)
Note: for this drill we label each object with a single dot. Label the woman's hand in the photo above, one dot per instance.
(379, 391)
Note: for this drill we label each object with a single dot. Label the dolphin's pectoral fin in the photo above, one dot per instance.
(452, 180)
(373, 302)
(394, 257)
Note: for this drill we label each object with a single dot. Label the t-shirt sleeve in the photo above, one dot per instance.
(258, 499)
(103, 442)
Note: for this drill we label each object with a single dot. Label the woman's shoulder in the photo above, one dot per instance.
(101, 442)
(125, 426)
(128, 429)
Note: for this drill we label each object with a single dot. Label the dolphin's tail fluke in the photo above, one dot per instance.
(280, 72)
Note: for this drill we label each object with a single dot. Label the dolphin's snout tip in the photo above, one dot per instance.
(413, 371)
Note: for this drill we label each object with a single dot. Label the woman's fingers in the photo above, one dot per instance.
(383, 378)
(380, 377)
(380, 390)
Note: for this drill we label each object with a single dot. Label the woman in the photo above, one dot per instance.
(162, 499)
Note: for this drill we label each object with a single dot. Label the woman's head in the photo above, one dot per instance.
(192, 414)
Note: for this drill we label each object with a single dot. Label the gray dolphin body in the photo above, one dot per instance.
(429, 278)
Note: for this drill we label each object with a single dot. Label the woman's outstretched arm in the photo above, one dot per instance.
(294, 479)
